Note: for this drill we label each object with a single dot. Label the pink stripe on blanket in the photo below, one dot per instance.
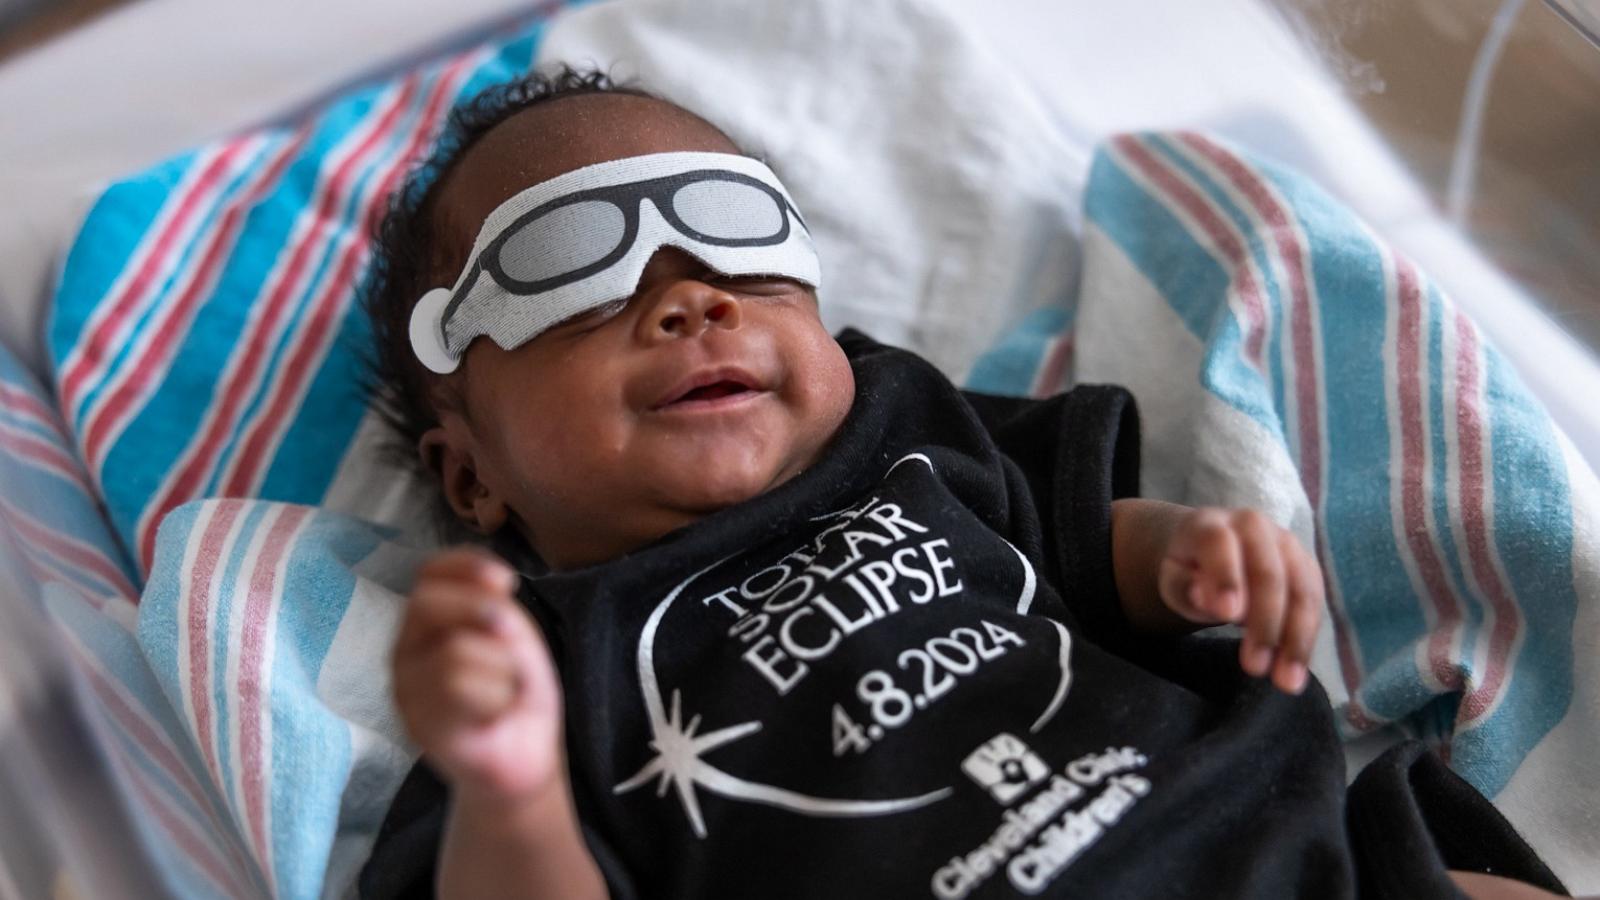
(208, 559)
(260, 438)
(242, 372)
(85, 557)
(1476, 515)
(1295, 257)
(1419, 537)
(255, 678)
(111, 414)
(194, 843)
(156, 747)
(44, 455)
(85, 361)
(1217, 230)
(24, 405)
(1052, 374)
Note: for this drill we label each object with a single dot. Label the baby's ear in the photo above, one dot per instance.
(449, 455)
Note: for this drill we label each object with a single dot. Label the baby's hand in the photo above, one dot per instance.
(474, 681)
(1236, 565)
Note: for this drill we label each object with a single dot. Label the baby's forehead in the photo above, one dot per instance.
(549, 139)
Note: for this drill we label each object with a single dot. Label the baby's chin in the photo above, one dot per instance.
(719, 484)
(712, 481)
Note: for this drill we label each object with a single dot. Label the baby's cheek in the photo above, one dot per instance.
(837, 382)
(827, 390)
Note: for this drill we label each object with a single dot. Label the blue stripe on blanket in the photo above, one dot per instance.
(129, 473)
(1255, 243)
(1009, 367)
(170, 419)
(26, 425)
(187, 835)
(1194, 283)
(1534, 539)
(307, 739)
(58, 522)
(325, 422)
(1347, 270)
(127, 212)
(1156, 242)
(1442, 521)
(322, 269)
(307, 750)
(115, 651)
(1348, 278)
(179, 267)
(158, 635)
(60, 504)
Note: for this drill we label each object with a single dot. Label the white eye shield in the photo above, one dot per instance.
(581, 240)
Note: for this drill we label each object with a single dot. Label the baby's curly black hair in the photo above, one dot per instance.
(410, 254)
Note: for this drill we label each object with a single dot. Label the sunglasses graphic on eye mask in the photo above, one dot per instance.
(581, 240)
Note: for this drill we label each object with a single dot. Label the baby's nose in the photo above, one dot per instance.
(687, 308)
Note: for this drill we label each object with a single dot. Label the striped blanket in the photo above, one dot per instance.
(268, 627)
(205, 341)
(246, 782)
(1284, 358)
(205, 337)
(76, 571)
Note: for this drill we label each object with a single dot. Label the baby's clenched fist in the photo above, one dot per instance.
(474, 681)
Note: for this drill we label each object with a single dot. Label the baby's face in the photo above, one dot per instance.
(614, 428)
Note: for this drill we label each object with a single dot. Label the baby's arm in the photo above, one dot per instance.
(1179, 568)
(478, 692)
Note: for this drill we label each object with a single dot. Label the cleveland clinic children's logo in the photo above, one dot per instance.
(1005, 767)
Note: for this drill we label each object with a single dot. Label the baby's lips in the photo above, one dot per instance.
(707, 377)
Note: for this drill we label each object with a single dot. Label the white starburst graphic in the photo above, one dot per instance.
(678, 762)
(679, 750)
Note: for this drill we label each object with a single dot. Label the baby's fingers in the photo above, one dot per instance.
(538, 684)
(464, 681)
(1291, 670)
(471, 564)
(437, 608)
(1263, 565)
(1205, 553)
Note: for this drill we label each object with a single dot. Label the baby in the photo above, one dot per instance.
(807, 620)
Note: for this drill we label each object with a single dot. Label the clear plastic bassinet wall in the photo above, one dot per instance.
(1493, 105)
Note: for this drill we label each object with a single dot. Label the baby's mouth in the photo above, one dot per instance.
(710, 389)
(713, 391)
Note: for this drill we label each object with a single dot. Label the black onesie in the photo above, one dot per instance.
(905, 673)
